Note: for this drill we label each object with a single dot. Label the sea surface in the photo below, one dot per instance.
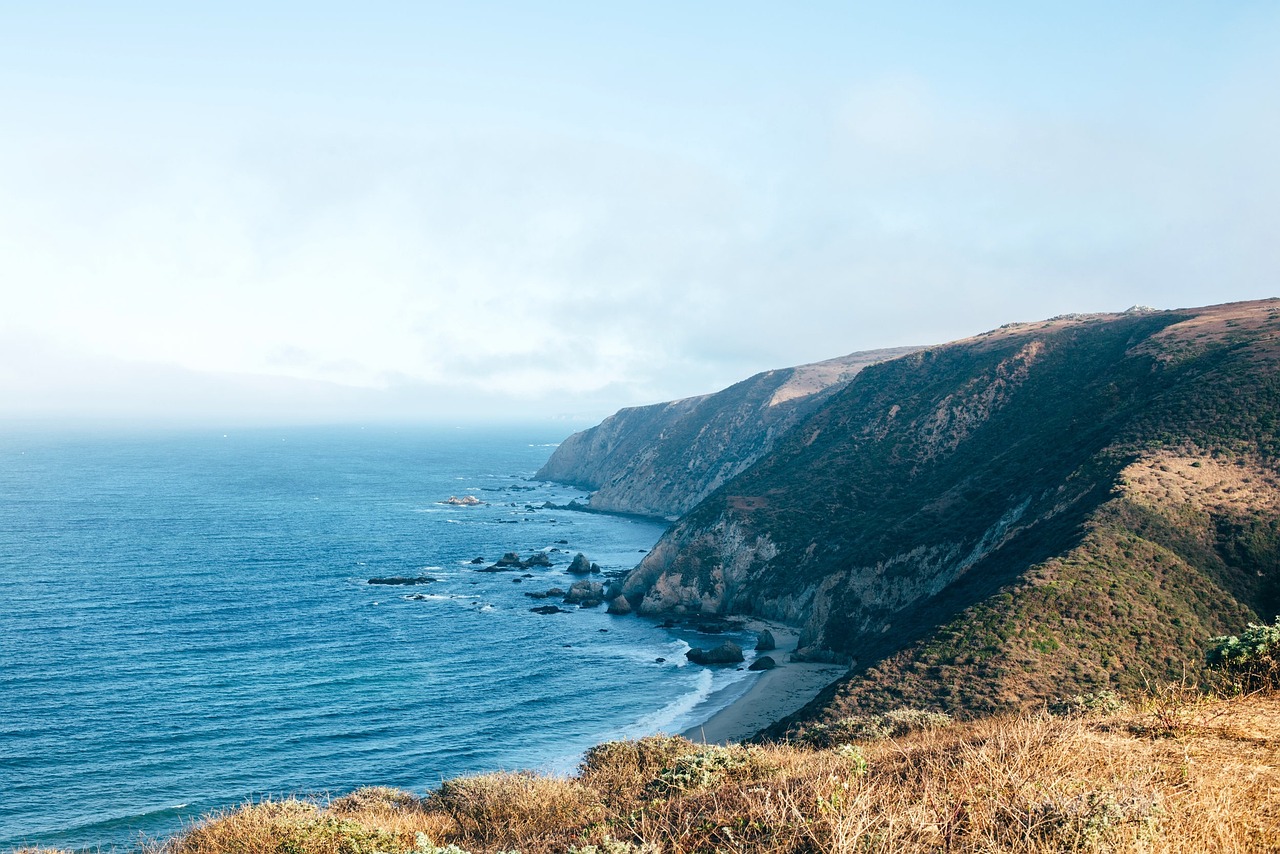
(186, 623)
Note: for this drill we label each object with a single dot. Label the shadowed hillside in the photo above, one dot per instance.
(661, 460)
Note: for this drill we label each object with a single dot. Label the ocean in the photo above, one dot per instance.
(186, 623)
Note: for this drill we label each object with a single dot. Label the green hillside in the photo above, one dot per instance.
(1044, 509)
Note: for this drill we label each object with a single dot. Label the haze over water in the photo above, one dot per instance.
(188, 623)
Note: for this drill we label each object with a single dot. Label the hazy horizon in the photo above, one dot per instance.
(271, 213)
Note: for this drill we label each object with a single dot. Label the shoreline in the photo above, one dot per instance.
(772, 696)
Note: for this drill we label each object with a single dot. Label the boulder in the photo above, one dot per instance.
(538, 559)
(548, 609)
(765, 641)
(463, 501)
(764, 662)
(581, 565)
(726, 653)
(477, 560)
(585, 594)
(620, 606)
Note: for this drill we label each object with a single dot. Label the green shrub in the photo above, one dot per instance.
(1253, 658)
(709, 767)
(1104, 702)
(894, 724)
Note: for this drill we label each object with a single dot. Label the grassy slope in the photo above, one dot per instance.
(1177, 773)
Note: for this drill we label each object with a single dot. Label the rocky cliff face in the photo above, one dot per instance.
(1046, 508)
(661, 460)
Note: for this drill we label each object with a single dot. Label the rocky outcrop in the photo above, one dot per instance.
(765, 641)
(663, 459)
(726, 653)
(402, 580)
(582, 565)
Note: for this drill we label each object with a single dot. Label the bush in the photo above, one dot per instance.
(290, 827)
(1253, 658)
(515, 806)
(1080, 705)
(894, 724)
(710, 767)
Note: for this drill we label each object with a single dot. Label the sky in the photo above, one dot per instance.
(324, 211)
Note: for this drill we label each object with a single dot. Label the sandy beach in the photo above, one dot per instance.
(775, 694)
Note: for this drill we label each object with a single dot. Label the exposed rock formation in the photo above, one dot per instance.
(726, 653)
(663, 459)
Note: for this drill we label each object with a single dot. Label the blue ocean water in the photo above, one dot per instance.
(186, 623)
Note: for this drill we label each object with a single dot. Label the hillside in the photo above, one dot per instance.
(663, 459)
(1043, 509)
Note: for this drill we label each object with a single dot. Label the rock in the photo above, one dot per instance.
(538, 559)
(726, 653)
(477, 560)
(536, 595)
(562, 542)
(585, 594)
(517, 581)
(764, 662)
(510, 559)
(818, 655)
(660, 660)
(548, 609)
(464, 501)
(581, 565)
(555, 591)
(400, 579)
(619, 606)
(765, 641)
(595, 568)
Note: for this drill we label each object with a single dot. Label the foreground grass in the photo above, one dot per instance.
(1175, 773)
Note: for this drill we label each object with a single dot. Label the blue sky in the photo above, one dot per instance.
(391, 210)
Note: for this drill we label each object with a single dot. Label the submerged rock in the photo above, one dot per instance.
(401, 579)
(548, 609)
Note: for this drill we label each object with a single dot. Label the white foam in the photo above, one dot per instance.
(677, 710)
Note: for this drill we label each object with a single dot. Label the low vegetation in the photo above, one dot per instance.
(1173, 771)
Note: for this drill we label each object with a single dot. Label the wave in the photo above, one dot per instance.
(676, 711)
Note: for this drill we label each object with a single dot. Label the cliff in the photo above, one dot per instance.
(663, 459)
(1043, 509)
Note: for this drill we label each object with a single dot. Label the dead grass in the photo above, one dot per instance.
(1173, 773)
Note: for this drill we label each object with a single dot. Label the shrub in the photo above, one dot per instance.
(894, 724)
(711, 766)
(380, 799)
(1100, 703)
(514, 806)
(289, 827)
(1253, 658)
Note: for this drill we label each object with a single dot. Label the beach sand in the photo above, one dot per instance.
(775, 694)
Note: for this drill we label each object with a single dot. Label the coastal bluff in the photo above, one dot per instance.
(1049, 508)
(661, 460)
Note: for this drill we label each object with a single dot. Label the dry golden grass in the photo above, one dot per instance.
(1176, 772)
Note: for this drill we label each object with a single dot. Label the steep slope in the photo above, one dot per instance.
(1042, 509)
(661, 460)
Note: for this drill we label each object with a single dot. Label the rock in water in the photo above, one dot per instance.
(764, 662)
(585, 594)
(581, 565)
(726, 653)
(620, 606)
(765, 642)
